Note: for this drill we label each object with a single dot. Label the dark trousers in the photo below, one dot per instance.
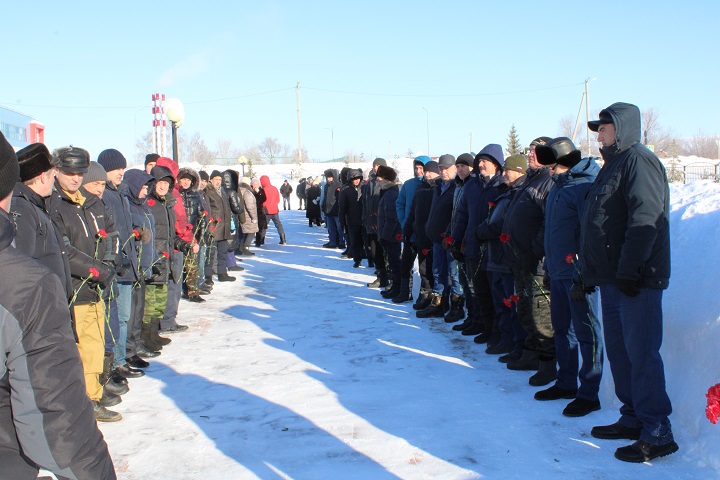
(335, 232)
(355, 242)
(221, 246)
(286, 203)
(275, 217)
(533, 310)
(134, 327)
(511, 332)
(633, 334)
(425, 260)
(577, 328)
(377, 253)
(392, 254)
(445, 271)
(407, 260)
(301, 200)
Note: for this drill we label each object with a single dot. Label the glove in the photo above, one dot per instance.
(124, 268)
(578, 292)
(628, 287)
(107, 274)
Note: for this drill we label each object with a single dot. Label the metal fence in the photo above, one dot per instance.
(692, 172)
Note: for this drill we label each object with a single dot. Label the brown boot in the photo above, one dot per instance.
(154, 335)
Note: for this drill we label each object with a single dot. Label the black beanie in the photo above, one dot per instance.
(215, 173)
(9, 168)
(204, 175)
(432, 166)
(111, 160)
(379, 161)
(151, 157)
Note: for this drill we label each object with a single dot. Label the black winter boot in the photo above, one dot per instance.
(528, 361)
(282, 240)
(422, 301)
(546, 373)
(462, 326)
(405, 294)
(224, 277)
(108, 399)
(475, 328)
(102, 414)
(392, 291)
(434, 310)
(456, 312)
(209, 280)
(106, 378)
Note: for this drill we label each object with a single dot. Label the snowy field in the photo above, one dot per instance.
(299, 371)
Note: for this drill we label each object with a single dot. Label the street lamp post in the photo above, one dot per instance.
(427, 127)
(332, 140)
(243, 161)
(176, 114)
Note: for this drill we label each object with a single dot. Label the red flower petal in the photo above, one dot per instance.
(94, 272)
(491, 204)
(507, 302)
(504, 237)
(136, 233)
(165, 254)
(514, 298)
(425, 251)
(570, 258)
(398, 237)
(151, 202)
(102, 233)
(449, 240)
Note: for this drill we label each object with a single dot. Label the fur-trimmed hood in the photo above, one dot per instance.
(195, 180)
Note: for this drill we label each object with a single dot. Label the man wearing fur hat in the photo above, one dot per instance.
(36, 234)
(373, 249)
(625, 250)
(350, 214)
(219, 205)
(389, 230)
(187, 183)
(41, 386)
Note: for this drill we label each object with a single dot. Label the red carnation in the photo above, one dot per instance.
(507, 302)
(442, 234)
(713, 404)
(570, 258)
(514, 298)
(204, 213)
(151, 202)
(211, 220)
(165, 254)
(218, 219)
(425, 251)
(102, 233)
(504, 237)
(94, 272)
(212, 227)
(398, 237)
(449, 240)
(136, 233)
(491, 204)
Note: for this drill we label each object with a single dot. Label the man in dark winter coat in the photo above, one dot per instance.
(46, 419)
(220, 212)
(300, 191)
(625, 250)
(479, 191)
(373, 249)
(524, 231)
(389, 230)
(331, 207)
(403, 205)
(350, 214)
(576, 323)
(36, 234)
(188, 181)
(415, 229)
(286, 190)
(444, 268)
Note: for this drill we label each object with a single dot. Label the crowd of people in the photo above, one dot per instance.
(523, 249)
(116, 250)
(497, 238)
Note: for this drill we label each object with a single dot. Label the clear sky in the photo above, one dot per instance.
(379, 73)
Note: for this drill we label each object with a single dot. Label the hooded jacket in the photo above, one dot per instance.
(419, 212)
(371, 199)
(41, 376)
(117, 207)
(272, 196)
(230, 183)
(625, 227)
(141, 216)
(350, 201)
(183, 228)
(332, 191)
(165, 238)
(37, 235)
(250, 225)
(405, 198)
(498, 258)
(389, 228)
(192, 200)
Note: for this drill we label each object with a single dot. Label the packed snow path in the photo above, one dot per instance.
(299, 371)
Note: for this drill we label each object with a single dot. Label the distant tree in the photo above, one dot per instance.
(222, 148)
(701, 145)
(299, 160)
(409, 153)
(249, 172)
(197, 151)
(513, 142)
(271, 150)
(654, 133)
(143, 146)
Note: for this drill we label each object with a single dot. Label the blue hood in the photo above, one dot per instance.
(492, 150)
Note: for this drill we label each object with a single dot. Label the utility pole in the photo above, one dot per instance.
(587, 114)
(427, 127)
(297, 94)
(470, 141)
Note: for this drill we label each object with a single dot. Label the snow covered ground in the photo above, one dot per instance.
(299, 371)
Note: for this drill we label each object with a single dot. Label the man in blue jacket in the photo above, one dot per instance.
(574, 315)
(403, 206)
(625, 250)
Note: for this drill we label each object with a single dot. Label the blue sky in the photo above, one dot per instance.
(368, 70)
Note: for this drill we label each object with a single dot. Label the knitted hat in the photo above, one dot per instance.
(151, 158)
(73, 159)
(432, 166)
(186, 174)
(516, 163)
(446, 160)
(386, 172)
(95, 173)
(111, 160)
(379, 161)
(34, 160)
(9, 168)
(204, 175)
(465, 159)
(559, 150)
(215, 173)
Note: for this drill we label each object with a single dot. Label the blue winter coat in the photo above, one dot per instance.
(141, 216)
(440, 211)
(563, 208)
(116, 206)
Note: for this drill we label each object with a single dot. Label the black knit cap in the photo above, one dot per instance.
(432, 166)
(465, 159)
(215, 173)
(73, 159)
(9, 168)
(112, 159)
(204, 175)
(151, 158)
(34, 160)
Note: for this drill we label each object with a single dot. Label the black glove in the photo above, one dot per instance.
(157, 271)
(124, 268)
(628, 287)
(107, 274)
(578, 292)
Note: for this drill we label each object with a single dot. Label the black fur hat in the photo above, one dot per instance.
(34, 160)
(386, 172)
(73, 159)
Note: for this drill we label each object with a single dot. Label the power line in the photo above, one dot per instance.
(484, 94)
